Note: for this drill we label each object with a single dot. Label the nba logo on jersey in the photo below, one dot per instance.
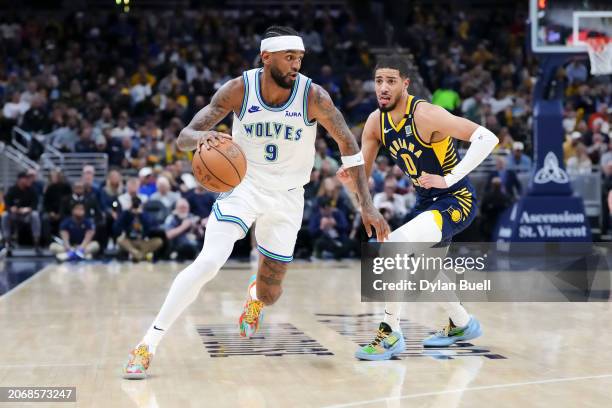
(278, 141)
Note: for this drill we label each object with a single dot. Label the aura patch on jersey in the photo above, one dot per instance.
(273, 130)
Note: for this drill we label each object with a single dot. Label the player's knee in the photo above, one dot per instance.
(425, 227)
(269, 294)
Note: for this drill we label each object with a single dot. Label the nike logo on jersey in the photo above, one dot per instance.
(386, 131)
(254, 109)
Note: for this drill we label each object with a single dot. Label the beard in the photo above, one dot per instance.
(280, 80)
(390, 106)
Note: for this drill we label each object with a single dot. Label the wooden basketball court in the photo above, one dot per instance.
(73, 325)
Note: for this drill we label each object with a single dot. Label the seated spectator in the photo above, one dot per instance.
(86, 142)
(55, 194)
(393, 203)
(77, 233)
(402, 182)
(494, 202)
(132, 187)
(569, 146)
(123, 130)
(147, 182)
(519, 161)
(113, 188)
(580, 163)
(181, 228)
(329, 228)
(509, 181)
(79, 195)
(163, 194)
(322, 155)
(379, 172)
(200, 201)
(133, 228)
(331, 188)
(88, 178)
(21, 202)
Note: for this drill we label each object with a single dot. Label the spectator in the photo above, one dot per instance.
(580, 163)
(322, 155)
(133, 228)
(329, 228)
(519, 162)
(180, 227)
(113, 188)
(123, 130)
(200, 201)
(332, 189)
(21, 201)
(510, 184)
(393, 203)
(379, 173)
(494, 203)
(576, 71)
(569, 146)
(163, 194)
(36, 118)
(132, 191)
(148, 185)
(57, 192)
(86, 142)
(77, 233)
(88, 199)
(15, 109)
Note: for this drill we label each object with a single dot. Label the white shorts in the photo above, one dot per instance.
(278, 215)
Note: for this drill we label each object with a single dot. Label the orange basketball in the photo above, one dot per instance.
(220, 168)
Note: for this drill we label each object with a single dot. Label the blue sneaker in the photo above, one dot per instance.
(386, 345)
(450, 334)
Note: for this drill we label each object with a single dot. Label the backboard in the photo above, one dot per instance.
(563, 26)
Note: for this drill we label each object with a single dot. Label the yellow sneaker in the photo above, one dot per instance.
(252, 314)
(138, 363)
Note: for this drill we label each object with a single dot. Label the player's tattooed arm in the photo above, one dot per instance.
(325, 112)
(198, 132)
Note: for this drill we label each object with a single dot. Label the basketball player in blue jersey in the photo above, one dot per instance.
(276, 110)
(419, 137)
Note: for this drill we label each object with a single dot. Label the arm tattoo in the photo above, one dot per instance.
(333, 121)
(272, 272)
(205, 119)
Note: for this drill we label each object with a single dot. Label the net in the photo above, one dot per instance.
(600, 54)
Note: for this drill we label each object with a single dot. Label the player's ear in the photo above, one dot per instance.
(265, 57)
(406, 83)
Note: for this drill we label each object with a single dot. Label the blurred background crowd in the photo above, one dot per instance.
(125, 84)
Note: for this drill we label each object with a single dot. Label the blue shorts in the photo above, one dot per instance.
(458, 209)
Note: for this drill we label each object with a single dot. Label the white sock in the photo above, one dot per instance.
(253, 291)
(392, 315)
(218, 245)
(153, 337)
(457, 313)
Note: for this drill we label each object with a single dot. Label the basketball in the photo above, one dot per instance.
(221, 168)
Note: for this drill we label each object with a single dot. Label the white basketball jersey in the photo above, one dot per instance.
(279, 142)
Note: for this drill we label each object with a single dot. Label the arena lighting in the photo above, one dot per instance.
(542, 4)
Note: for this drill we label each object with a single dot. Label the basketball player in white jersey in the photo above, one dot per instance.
(276, 110)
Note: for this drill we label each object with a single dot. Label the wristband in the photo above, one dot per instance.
(352, 161)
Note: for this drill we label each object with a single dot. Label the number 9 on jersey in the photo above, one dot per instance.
(271, 152)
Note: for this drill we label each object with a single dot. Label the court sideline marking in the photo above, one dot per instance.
(25, 282)
(483, 387)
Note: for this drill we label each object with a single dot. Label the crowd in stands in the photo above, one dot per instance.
(126, 84)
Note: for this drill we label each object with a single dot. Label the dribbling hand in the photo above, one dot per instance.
(212, 138)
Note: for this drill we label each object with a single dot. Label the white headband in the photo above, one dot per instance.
(282, 43)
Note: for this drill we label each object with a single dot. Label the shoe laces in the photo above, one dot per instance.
(445, 330)
(380, 336)
(141, 353)
(253, 310)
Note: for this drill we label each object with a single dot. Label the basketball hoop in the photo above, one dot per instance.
(600, 54)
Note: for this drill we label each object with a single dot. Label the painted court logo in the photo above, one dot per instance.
(551, 172)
